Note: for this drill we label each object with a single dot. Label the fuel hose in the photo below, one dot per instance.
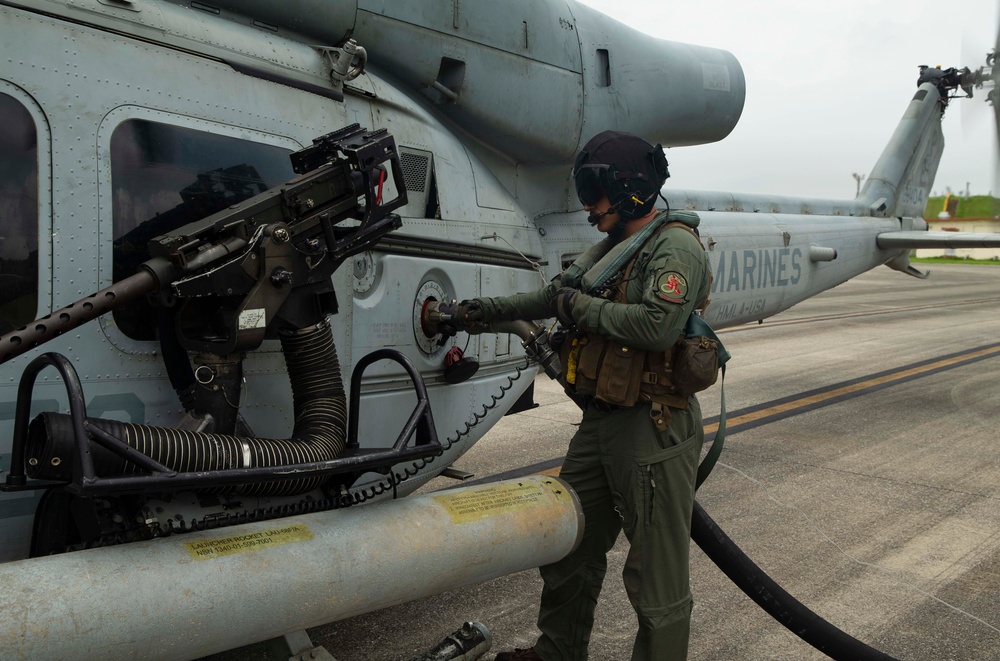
(775, 600)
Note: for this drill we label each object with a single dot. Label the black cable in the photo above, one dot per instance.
(779, 604)
(395, 479)
(665, 201)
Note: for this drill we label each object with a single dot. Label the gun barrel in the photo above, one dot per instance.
(56, 323)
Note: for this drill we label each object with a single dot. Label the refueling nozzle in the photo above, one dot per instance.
(442, 317)
(448, 317)
(535, 340)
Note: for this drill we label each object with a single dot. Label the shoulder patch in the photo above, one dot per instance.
(672, 287)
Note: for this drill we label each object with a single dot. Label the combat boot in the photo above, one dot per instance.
(519, 655)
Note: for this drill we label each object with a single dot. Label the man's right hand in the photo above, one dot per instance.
(464, 316)
(469, 312)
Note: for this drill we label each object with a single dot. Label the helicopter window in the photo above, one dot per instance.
(18, 215)
(164, 177)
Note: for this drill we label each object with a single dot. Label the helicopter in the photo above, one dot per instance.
(154, 148)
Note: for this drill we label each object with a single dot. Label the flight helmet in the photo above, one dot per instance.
(626, 168)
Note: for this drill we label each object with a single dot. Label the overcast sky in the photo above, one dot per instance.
(827, 83)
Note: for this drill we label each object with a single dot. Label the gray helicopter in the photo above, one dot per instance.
(265, 196)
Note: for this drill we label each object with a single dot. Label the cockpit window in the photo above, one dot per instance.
(164, 177)
(18, 215)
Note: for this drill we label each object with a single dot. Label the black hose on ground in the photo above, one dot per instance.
(320, 409)
(779, 604)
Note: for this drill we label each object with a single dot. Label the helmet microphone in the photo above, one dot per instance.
(595, 218)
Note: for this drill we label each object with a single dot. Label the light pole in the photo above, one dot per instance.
(858, 178)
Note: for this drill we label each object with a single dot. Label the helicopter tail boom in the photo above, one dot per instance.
(902, 177)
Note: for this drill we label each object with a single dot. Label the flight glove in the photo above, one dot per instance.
(561, 305)
(469, 313)
(458, 317)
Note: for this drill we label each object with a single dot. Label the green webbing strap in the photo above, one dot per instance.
(697, 326)
(625, 255)
(708, 463)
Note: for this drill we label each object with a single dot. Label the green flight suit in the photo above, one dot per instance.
(626, 473)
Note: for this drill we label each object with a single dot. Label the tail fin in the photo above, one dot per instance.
(901, 181)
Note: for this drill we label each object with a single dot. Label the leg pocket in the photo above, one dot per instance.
(685, 424)
(657, 566)
(670, 452)
(667, 481)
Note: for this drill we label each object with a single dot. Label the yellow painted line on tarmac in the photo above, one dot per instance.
(733, 423)
(852, 388)
(848, 315)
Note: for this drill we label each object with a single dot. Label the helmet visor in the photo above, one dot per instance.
(589, 180)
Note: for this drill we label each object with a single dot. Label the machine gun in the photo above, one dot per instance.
(253, 256)
(232, 275)
(258, 269)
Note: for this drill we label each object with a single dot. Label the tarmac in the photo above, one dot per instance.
(861, 471)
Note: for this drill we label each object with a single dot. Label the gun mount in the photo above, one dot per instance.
(258, 269)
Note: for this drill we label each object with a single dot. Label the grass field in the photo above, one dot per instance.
(954, 260)
(977, 206)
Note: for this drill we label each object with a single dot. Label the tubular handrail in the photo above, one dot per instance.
(160, 478)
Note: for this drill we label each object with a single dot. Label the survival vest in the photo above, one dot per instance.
(620, 375)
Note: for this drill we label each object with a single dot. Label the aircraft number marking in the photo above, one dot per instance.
(744, 309)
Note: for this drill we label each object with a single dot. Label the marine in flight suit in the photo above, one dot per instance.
(632, 463)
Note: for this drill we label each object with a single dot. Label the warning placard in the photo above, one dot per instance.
(468, 506)
(206, 549)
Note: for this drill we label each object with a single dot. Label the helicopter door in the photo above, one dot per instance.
(22, 286)
(25, 261)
